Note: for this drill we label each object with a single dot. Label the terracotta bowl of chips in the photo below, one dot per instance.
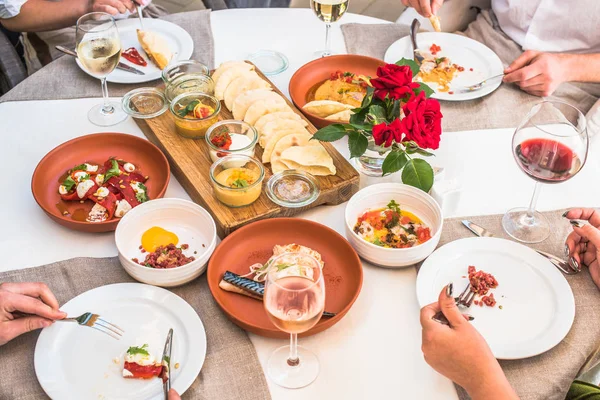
(319, 70)
(95, 148)
(254, 243)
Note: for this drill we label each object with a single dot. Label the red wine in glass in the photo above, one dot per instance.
(547, 160)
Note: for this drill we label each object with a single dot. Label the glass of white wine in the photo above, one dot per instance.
(328, 11)
(294, 300)
(99, 52)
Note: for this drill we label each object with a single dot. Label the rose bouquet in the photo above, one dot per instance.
(396, 118)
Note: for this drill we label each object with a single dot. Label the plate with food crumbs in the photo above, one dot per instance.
(76, 362)
(523, 306)
(451, 62)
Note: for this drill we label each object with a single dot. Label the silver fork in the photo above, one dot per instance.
(465, 299)
(94, 321)
(414, 28)
(477, 86)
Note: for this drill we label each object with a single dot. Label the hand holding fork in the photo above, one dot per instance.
(465, 299)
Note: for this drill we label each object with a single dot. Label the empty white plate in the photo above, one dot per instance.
(77, 362)
(179, 40)
(537, 302)
(461, 50)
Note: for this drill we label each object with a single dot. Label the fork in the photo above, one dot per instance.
(479, 85)
(465, 299)
(414, 28)
(94, 321)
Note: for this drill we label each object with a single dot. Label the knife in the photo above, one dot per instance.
(166, 363)
(121, 65)
(564, 267)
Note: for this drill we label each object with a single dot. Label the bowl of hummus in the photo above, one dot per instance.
(237, 180)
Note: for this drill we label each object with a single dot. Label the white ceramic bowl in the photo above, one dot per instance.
(190, 222)
(410, 199)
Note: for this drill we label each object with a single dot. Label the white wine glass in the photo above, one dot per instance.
(328, 11)
(99, 52)
(550, 146)
(294, 300)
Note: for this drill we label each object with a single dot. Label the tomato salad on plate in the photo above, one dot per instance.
(115, 187)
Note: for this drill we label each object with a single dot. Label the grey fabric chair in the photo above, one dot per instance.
(12, 70)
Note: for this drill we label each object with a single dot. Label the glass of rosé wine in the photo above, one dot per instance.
(294, 300)
(550, 146)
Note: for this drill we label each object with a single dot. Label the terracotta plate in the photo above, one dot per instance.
(319, 70)
(254, 244)
(95, 148)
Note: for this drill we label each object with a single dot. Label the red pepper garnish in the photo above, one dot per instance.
(434, 49)
(143, 371)
(222, 140)
(132, 55)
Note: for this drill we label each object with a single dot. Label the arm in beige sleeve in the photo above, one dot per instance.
(44, 15)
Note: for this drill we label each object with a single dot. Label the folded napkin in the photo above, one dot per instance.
(504, 108)
(63, 79)
(549, 375)
(231, 370)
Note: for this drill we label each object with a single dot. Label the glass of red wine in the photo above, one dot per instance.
(550, 146)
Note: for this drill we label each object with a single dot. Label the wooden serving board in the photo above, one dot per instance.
(190, 163)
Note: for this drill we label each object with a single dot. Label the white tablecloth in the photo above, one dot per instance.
(375, 351)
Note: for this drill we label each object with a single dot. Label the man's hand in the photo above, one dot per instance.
(114, 7)
(173, 395)
(426, 8)
(540, 73)
(25, 307)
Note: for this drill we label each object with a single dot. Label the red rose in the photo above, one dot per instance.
(385, 134)
(394, 81)
(422, 121)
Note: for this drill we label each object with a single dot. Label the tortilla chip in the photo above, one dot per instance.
(435, 22)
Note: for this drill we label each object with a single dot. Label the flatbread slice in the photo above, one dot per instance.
(262, 121)
(270, 145)
(295, 139)
(156, 47)
(227, 77)
(435, 22)
(312, 159)
(342, 116)
(279, 124)
(245, 100)
(227, 65)
(263, 107)
(325, 108)
(249, 81)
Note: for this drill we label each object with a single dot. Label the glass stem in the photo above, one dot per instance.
(327, 51)
(107, 108)
(293, 360)
(532, 204)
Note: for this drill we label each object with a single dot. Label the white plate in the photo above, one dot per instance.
(76, 362)
(180, 42)
(461, 50)
(537, 302)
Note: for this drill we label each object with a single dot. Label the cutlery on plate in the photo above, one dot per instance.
(564, 267)
(166, 363)
(414, 27)
(479, 85)
(121, 65)
(465, 299)
(94, 321)
(141, 17)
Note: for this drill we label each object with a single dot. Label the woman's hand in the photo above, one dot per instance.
(33, 299)
(114, 7)
(539, 73)
(460, 353)
(426, 8)
(583, 244)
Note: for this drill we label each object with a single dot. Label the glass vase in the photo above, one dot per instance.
(371, 162)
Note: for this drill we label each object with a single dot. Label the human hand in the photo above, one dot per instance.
(426, 8)
(114, 7)
(34, 299)
(460, 353)
(539, 73)
(583, 244)
(173, 395)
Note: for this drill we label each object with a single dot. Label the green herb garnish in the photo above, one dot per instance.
(348, 74)
(80, 167)
(113, 171)
(189, 108)
(138, 350)
(167, 359)
(240, 183)
(438, 61)
(148, 265)
(142, 197)
(392, 205)
(410, 230)
(378, 242)
(281, 267)
(69, 183)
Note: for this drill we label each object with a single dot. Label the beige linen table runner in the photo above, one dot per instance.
(63, 79)
(549, 375)
(505, 107)
(231, 370)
